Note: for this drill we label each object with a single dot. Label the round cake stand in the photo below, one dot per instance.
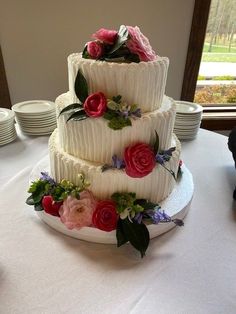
(176, 205)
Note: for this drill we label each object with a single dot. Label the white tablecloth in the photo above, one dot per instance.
(187, 270)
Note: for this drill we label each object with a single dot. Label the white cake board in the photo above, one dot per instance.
(176, 205)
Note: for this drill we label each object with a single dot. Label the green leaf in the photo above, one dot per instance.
(78, 115)
(118, 123)
(30, 200)
(137, 235)
(117, 99)
(38, 207)
(81, 87)
(120, 235)
(146, 204)
(70, 108)
(109, 114)
(85, 54)
(156, 144)
(122, 37)
(132, 57)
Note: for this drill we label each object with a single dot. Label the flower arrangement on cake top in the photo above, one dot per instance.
(77, 207)
(96, 105)
(126, 45)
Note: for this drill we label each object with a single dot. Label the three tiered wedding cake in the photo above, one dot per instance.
(113, 156)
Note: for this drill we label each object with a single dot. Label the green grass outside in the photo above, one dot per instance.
(218, 54)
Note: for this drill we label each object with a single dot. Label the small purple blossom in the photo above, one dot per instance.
(117, 162)
(136, 113)
(45, 177)
(160, 159)
(138, 218)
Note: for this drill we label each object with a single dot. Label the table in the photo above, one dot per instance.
(187, 270)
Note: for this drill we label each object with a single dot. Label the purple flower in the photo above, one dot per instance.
(117, 162)
(159, 216)
(45, 177)
(138, 218)
(160, 159)
(136, 113)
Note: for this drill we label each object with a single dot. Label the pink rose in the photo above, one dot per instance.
(95, 49)
(95, 105)
(77, 213)
(139, 44)
(50, 206)
(139, 160)
(105, 216)
(106, 35)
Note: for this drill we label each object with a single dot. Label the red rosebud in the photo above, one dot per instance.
(95, 49)
(139, 160)
(180, 163)
(95, 105)
(50, 206)
(105, 216)
(106, 35)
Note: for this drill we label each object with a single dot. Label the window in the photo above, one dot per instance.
(212, 48)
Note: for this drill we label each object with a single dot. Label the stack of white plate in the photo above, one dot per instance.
(188, 120)
(7, 126)
(36, 117)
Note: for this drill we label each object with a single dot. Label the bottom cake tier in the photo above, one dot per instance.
(176, 205)
(154, 187)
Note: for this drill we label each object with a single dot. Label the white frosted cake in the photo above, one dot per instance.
(113, 156)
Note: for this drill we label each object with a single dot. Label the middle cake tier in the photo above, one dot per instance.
(154, 187)
(91, 139)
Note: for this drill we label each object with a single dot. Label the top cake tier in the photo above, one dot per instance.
(140, 83)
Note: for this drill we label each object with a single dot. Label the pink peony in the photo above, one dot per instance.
(105, 216)
(95, 49)
(106, 35)
(139, 160)
(76, 213)
(95, 105)
(50, 206)
(139, 44)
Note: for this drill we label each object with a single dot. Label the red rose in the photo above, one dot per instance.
(139, 160)
(105, 216)
(106, 35)
(95, 105)
(95, 49)
(50, 206)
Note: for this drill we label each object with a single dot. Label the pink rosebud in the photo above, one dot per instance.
(50, 206)
(95, 49)
(139, 44)
(76, 213)
(139, 160)
(106, 35)
(95, 105)
(105, 216)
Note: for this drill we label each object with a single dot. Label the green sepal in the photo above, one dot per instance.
(137, 235)
(117, 99)
(81, 87)
(78, 115)
(120, 235)
(156, 144)
(118, 123)
(85, 54)
(71, 107)
(123, 35)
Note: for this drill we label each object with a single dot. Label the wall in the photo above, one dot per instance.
(37, 36)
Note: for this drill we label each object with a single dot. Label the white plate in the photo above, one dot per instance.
(176, 206)
(6, 115)
(9, 140)
(185, 107)
(34, 107)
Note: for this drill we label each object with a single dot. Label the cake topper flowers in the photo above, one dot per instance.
(126, 45)
(95, 105)
(76, 207)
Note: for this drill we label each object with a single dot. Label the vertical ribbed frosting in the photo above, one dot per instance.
(93, 140)
(138, 83)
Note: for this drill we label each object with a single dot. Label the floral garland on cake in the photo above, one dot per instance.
(77, 207)
(140, 159)
(96, 105)
(126, 45)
